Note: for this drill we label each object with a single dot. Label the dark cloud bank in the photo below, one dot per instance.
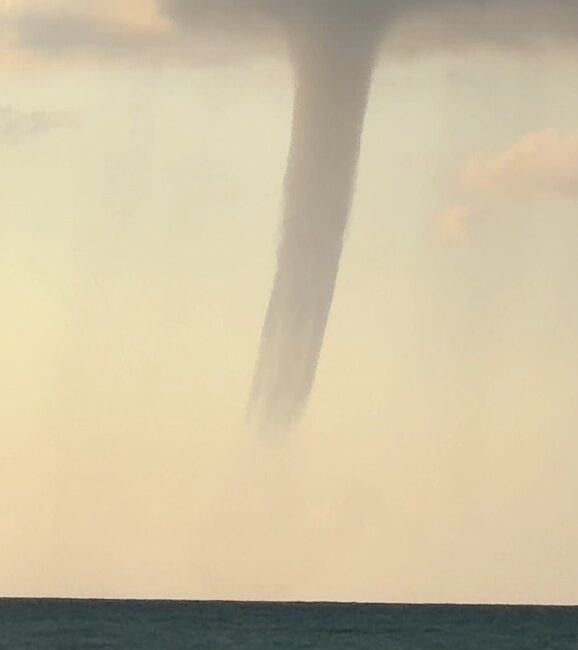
(236, 28)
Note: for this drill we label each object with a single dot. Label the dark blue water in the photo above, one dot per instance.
(124, 625)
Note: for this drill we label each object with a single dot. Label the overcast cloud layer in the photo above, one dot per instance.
(220, 29)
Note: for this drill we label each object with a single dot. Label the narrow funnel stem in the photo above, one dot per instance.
(333, 76)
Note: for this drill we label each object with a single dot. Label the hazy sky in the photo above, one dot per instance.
(438, 459)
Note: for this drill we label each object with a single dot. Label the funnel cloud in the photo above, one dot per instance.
(333, 47)
(332, 76)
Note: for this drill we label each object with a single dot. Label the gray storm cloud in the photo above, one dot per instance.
(225, 30)
(333, 45)
(57, 34)
(408, 25)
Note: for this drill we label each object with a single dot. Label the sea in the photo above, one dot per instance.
(153, 625)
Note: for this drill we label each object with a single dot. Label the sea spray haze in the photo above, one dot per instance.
(333, 46)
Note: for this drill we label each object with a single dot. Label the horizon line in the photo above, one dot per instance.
(225, 601)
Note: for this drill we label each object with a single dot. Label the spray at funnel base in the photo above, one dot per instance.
(333, 76)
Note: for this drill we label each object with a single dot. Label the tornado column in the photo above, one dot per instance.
(333, 65)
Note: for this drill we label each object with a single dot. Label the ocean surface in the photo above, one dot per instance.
(124, 625)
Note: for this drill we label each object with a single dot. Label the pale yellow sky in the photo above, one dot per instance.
(437, 460)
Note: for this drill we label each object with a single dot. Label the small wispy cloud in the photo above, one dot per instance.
(542, 162)
(453, 224)
(539, 164)
(17, 125)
